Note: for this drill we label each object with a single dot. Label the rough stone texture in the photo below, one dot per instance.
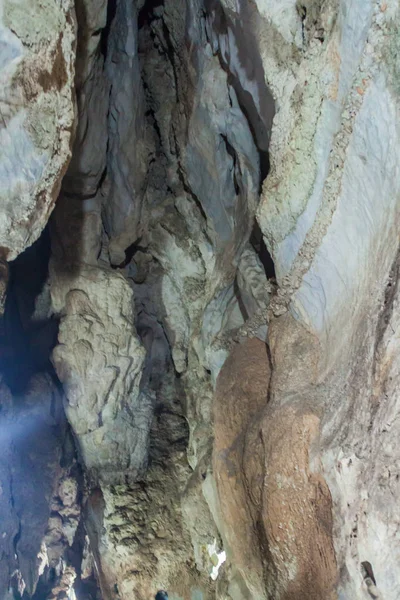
(276, 512)
(141, 543)
(36, 115)
(99, 361)
(240, 403)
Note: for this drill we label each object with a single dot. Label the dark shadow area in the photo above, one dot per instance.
(50, 578)
(111, 11)
(239, 298)
(130, 253)
(257, 241)
(146, 13)
(368, 571)
(86, 588)
(259, 118)
(169, 429)
(30, 332)
(32, 434)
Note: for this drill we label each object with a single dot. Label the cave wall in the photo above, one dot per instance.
(222, 270)
(37, 115)
(335, 264)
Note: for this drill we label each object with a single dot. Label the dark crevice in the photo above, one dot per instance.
(232, 153)
(17, 536)
(271, 366)
(130, 253)
(258, 243)
(238, 296)
(388, 305)
(302, 10)
(185, 185)
(146, 13)
(171, 55)
(249, 110)
(191, 193)
(111, 11)
(45, 585)
(81, 196)
(383, 322)
(368, 572)
(146, 16)
(86, 588)
(29, 338)
(169, 429)
(150, 114)
(260, 130)
(104, 173)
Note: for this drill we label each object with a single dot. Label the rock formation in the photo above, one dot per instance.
(199, 341)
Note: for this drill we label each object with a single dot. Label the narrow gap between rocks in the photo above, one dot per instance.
(146, 13)
(258, 243)
(259, 124)
(111, 11)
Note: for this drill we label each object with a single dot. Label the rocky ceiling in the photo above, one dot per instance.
(200, 323)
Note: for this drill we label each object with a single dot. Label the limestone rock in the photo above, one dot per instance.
(99, 360)
(129, 146)
(228, 392)
(331, 190)
(37, 115)
(241, 395)
(92, 90)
